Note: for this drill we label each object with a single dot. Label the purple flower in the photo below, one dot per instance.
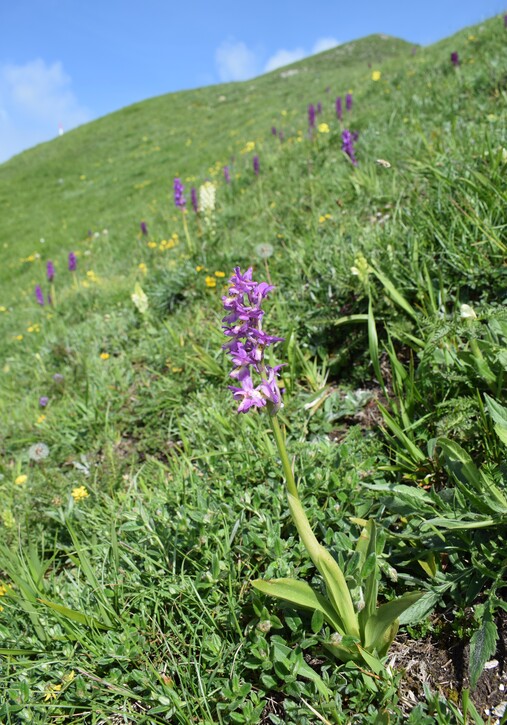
(455, 59)
(348, 139)
(227, 175)
(179, 199)
(319, 107)
(50, 270)
(248, 342)
(39, 296)
(311, 116)
(144, 229)
(348, 101)
(193, 197)
(339, 111)
(43, 401)
(256, 165)
(273, 130)
(72, 262)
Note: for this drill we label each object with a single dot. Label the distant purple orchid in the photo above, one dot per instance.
(39, 296)
(273, 130)
(248, 342)
(72, 262)
(348, 140)
(227, 175)
(193, 198)
(50, 270)
(179, 199)
(455, 59)
(348, 101)
(144, 229)
(319, 107)
(43, 401)
(339, 110)
(256, 165)
(311, 117)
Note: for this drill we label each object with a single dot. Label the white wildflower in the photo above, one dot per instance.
(38, 452)
(139, 299)
(467, 313)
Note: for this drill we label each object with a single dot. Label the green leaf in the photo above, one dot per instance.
(336, 586)
(369, 573)
(482, 647)
(381, 628)
(74, 615)
(393, 293)
(422, 607)
(282, 653)
(317, 621)
(6, 652)
(373, 343)
(300, 594)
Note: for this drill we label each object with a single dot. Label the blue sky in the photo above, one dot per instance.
(70, 61)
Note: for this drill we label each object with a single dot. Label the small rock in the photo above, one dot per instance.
(491, 665)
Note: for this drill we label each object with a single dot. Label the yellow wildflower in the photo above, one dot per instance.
(376, 75)
(219, 274)
(3, 309)
(19, 338)
(104, 356)
(79, 493)
(21, 479)
(41, 418)
(199, 268)
(3, 590)
(177, 370)
(143, 268)
(66, 679)
(249, 146)
(210, 281)
(152, 245)
(51, 692)
(323, 128)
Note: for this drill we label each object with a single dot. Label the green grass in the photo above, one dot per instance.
(135, 602)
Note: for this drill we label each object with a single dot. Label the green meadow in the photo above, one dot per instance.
(137, 506)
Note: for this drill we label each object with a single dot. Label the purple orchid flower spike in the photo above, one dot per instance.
(39, 296)
(179, 198)
(248, 343)
(348, 140)
(227, 175)
(348, 101)
(256, 165)
(455, 59)
(193, 197)
(144, 229)
(311, 117)
(72, 262)
(339, 110)
(50, 270)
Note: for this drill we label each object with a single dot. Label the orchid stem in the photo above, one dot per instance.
(282, 450)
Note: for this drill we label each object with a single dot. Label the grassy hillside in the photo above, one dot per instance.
(137, 505)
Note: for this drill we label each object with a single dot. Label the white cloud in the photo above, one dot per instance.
(323, 44)
(235, 61)
(34, 99)
(284, 57)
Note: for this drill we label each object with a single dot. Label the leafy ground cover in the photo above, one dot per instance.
(137, 506)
